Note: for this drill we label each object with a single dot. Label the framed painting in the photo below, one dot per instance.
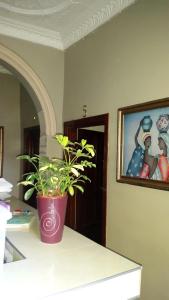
(143, 144)
(1, 149)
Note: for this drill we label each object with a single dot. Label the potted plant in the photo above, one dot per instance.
(53, 179)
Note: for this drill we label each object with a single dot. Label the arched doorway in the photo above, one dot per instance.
(37, 91)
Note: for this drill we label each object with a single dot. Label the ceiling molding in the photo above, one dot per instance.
(30, 33)
(35, 12)
(70, 32)
(99, 18)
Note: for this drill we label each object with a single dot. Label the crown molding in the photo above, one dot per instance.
(36, 12)
(99, 18)
(30, 33)
(51, 38)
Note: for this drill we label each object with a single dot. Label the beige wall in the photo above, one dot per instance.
(10, 119)
(48, 64)
(125, 62)
(29, 116)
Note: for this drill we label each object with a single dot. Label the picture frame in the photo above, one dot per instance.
(143, 144)
(1, 149)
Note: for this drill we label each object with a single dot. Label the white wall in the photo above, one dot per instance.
(126, 62)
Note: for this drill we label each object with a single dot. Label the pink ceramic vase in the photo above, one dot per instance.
(51, 211)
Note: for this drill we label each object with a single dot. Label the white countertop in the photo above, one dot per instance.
(51, 271)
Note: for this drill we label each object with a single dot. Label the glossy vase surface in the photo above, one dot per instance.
(51, 211)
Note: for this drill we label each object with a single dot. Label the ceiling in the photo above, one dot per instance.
(56, 23)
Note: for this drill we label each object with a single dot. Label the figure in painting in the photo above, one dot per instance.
(163, 123)
(142, 164)
(163, 143)
(150, 161)
(136, 163)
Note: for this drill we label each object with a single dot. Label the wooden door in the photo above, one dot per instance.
(89, 204)
(31, 147)
(73, 209)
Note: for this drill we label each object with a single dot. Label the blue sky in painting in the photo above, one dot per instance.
(131, 124)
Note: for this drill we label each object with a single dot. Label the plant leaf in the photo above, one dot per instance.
(25, 183)
(75, 172)
(29, 193)
(23, 157)
(90, 149)
(83, 142)
(43, 168)
(79, 167)
(62, 140)
(78, 153)
(71, 190)
(80, 188)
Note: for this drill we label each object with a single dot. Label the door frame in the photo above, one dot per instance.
(73, 126)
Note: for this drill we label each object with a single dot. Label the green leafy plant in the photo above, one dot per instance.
(54, 176)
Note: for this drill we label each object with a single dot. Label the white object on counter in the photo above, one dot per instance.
(5, 186)
(4, 196)
(5, 215)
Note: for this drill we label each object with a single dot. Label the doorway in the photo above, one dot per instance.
(31, 147)
(87, 213)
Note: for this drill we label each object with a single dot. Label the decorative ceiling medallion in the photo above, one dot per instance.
(36, 8)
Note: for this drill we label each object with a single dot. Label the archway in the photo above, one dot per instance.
(37, 90)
